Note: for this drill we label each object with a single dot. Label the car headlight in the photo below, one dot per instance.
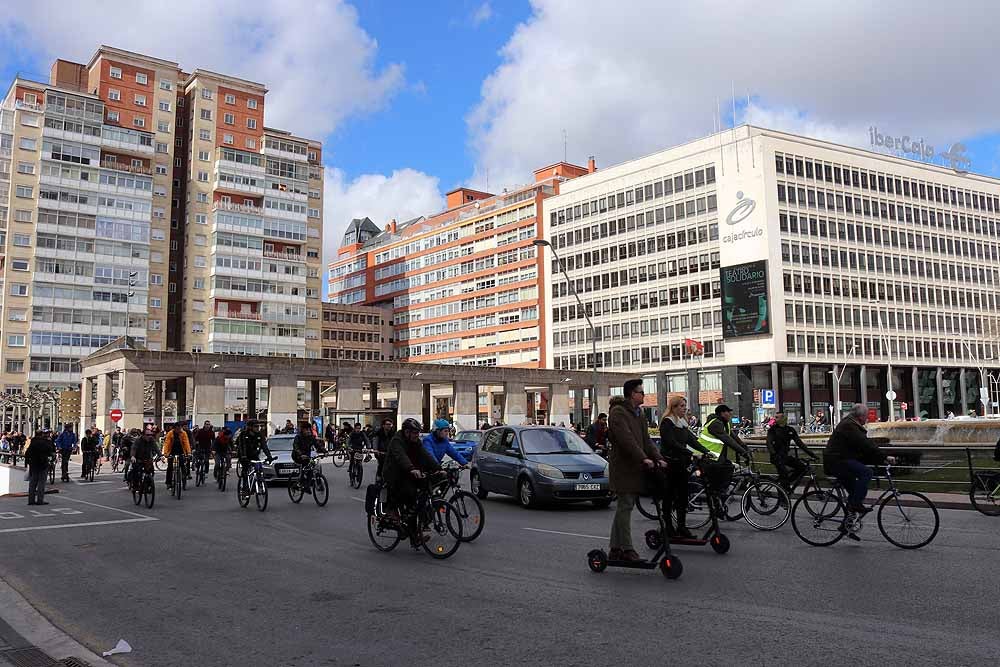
(607, 469)
(549, 471)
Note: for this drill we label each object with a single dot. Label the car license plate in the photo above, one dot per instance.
(359, 457)
(288, 471)
(588, 487)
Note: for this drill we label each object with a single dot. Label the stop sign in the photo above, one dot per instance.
(903, 405)
(116, 415)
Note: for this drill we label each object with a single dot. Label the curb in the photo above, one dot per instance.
(31, 629)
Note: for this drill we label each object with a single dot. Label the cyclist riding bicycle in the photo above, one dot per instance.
(302, 447)
(204, 442)
(437, 443)
(357, 438)
(88, 446)
(249, 445)
(407, 462)
(779, 441)
(124, 446)
(222, 449)
(143, 453)
(717, 435)
(176, 442)
(381, 443)
(847, 456)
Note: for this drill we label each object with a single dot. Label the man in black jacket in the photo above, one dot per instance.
(381, 443)
(406, 463)
(40, 450)
(250, 443)
(779, 443)
(302, 447)
(848, 454)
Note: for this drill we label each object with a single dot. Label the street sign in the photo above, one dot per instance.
(116, 415)
(890, 395)
(903, 406)
(767, 398)
(117, 404)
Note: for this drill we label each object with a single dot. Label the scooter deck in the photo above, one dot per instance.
(689, 541)
(635, 564)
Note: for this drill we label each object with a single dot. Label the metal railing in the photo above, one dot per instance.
(237, 315)
(292, 257)
(122, 166)
(237, 208)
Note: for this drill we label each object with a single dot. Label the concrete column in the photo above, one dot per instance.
(86, 411)
(182, 403)
(252, 397)
(776, 383)
(316, 408)
(158, 402)
(835, 417)
(577, 405)
(103, 403)
(559, 404)
(661, 395)
(282, 400)
(693, 391)
(210, 399)
(938, 377)
(427, 401)
(915, 379)
(603, 398)
(466, 397)
(515, 403)
(409, 401)
(132, 391)
(373, 395)
(962, 393)
(806, 392)
(349, 395)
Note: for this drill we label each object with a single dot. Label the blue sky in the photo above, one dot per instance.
(414, 99)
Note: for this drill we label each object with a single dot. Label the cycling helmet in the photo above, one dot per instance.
(441, 423)
(411, 425)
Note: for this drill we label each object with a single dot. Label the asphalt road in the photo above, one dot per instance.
(202, 581)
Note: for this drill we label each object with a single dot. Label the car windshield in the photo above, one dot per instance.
(552, 441)
(280, 444)
(470, 436)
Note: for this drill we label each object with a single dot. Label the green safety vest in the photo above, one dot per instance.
(709, 441)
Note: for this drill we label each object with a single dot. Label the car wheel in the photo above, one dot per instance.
(526, 493)
(477, 486)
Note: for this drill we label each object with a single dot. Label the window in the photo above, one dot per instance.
(112, 116)
(205, 135)
(114, 94)
(227, 139)
(24, 191)
(18, 289)
(161, 169)
(140, 100)
(203, 156)
(17, 315)
(154, 325)
(27, 144)
(201, 219)
(164, 106)
(162, 126)
(139, 122)
(251, 143)
(202, 197)
(206, 114)
(228, 118)
(15, 340)
(251, 104)
(203, 176)
(22, 240)
(155, 279)
(162, 147)
(166, 85)
(19, 265)
(251, 123)
(141, 78)
(206, 94)
(116, 72)
(21, 215)
(200, 239)
(199, 283)
(15, 365)
(154, 302)
(25, 168)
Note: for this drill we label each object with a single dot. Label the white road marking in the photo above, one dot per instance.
(559, 532)
(113, 509)
(77, 525)
(360, 500)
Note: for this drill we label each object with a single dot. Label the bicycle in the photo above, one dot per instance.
(356, 470)
(53, 462)
(984, 489)
(200, 467)
(118, 458)
(900, 513)
(253, 483)
(178, 480)
(160, 462)
(339, 454)
(470, 509)
(435, 515)
(222, 466)
(145, 490)
(310, 480)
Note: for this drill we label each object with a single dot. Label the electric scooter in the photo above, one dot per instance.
(713, 535)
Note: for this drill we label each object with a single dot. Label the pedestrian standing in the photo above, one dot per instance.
(37, 456)
(65, 443)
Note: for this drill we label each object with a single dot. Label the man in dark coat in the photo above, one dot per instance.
(848, 454)
(407, 462)
(37, 455)
(632, 455)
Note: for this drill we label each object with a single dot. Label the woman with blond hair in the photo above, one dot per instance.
(675, 440)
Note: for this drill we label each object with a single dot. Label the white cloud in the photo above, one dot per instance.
(483, 13)
(404, 194)
(626, 82)
(316, 60)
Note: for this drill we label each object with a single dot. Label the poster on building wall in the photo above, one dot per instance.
(745, 304)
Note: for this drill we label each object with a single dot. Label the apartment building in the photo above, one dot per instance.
(463, 285)
(774, 271)
(360, 333)
(138, 198)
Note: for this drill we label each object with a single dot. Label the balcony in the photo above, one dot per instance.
(240, 188)
(21, 105)
(127, 141)
(237, 208)
(286, 256)
(237, 315)
(127, 168)
(274, 151)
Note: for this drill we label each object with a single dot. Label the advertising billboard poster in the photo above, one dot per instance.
(745, 304)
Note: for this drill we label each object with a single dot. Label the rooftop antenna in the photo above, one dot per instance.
(753, 159)
(564, 144)
(734, 128)
(722, 153)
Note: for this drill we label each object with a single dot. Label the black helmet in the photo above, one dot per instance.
(411, 425)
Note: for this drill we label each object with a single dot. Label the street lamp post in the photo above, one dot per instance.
(835, 418)
(884, 340)
(593, 332)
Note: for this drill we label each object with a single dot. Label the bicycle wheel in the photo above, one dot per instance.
(383, 534)
(732, 502)
(698, 514)
(178, 483)
(908, 519)
(357, 474)
(339, 458)
(470, 511)
(321, 490)
(137, 493)
(445, 527)
(149, 494)
(820, 528)
(199, 475)
(114, 464)
(242, 491)
(984, 494)
(647, 508)
(260, 494)
(223, 474)
(295, 491)
(161, 464)
(765, 505)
